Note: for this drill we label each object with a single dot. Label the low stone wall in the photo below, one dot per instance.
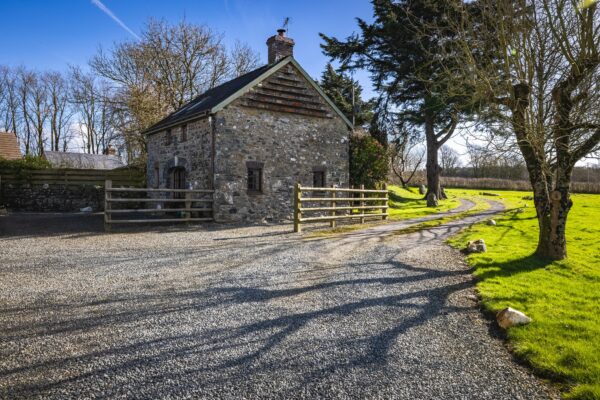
(51, 197)
(54, 190)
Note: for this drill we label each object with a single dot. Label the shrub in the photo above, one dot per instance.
(369, 161)
(27, 162)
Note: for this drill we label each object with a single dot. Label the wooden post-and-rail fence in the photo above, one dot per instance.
(367, 203)
(185, 202)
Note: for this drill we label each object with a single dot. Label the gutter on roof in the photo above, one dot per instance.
(152, 130)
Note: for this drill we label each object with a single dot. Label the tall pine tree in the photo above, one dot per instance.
(399, 52)
(338, 87)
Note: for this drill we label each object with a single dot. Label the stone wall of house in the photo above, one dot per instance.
(193, 154)
(290, 147)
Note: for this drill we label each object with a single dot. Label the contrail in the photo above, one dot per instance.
(105, 9)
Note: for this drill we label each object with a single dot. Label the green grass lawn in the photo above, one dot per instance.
(407, 204)
(563, 298)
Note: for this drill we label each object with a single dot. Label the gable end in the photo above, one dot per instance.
(287, 91)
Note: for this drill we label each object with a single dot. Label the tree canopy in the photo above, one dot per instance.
(343, 91)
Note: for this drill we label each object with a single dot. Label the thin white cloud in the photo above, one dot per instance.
(107, 11)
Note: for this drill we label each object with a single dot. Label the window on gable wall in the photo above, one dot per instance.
(168, 137)
(184, 132)
(319, 178)
(255, 177)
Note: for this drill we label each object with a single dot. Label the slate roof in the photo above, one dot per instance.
(214, 99)
(209, 99)
(9, 146)
(59, 159)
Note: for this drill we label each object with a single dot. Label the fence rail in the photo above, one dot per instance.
(184, 206)
(74, 177)
(359, 202)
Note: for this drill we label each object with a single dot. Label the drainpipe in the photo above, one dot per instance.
(212, 123)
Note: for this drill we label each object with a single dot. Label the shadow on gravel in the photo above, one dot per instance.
(226, 335)
(80, 225)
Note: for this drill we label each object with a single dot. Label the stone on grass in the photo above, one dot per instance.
(476, 246)
(422, 189)
(432, 200)
(510, 317)
(491, 222)
(86, 209)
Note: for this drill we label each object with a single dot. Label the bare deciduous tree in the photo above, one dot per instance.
(406, 157)
(449, 158)
(59, 109)
(168, 67)
(535, 64)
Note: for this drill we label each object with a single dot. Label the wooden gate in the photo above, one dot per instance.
(186, 203)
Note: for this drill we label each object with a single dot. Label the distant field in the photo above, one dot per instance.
(506, 184)
(563, 298)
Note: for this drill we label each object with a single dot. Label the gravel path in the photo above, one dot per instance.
(254, 312)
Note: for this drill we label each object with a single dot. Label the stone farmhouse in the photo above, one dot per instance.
(252, 139)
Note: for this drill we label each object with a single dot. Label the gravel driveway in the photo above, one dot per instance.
(254, 312)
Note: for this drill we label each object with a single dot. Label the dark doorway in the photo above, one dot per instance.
(178, 181)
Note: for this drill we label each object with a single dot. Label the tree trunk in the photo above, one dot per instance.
(432, 165)
(552, 221)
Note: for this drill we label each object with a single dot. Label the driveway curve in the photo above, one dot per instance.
(254, 312)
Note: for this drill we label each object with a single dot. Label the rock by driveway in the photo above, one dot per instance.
(253, 312)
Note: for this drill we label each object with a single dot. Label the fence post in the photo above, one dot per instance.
(107, 198)
(351, 202)
(188, 205)
(362, 204)
(333, 213)
(297, 205)
(385, 210)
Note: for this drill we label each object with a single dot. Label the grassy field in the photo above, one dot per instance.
(563, 298)
(407, 204)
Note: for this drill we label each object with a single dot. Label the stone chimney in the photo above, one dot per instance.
(110, 151)
(280, 46)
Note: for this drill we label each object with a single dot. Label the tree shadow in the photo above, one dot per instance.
(249, 332)
(494, 269)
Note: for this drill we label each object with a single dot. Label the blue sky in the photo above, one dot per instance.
(51, 34)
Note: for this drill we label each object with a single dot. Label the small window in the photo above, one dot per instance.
(183, 133)
(168, 137)
(255, 175)
(319, 179)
